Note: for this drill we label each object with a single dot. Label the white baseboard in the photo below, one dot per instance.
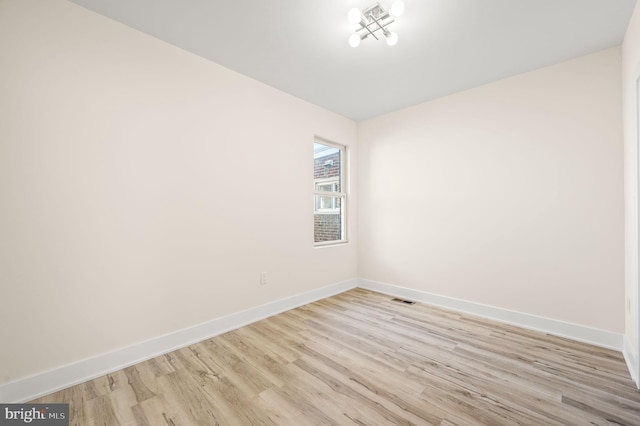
(576, 332)
(41, 384)
(633, 364)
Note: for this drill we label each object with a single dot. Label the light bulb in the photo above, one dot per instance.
(354, 40)
(397, 8)
(392, 39)
(355, 16)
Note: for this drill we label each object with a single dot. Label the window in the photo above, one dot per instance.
(329, 171)
(327, 205)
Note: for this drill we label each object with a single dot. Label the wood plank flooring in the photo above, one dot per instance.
(361, 359)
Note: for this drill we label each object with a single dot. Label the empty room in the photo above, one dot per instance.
(302, 212)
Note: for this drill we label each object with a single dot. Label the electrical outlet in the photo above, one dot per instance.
(263, 278)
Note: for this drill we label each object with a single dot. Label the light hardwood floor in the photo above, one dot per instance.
(361, 359)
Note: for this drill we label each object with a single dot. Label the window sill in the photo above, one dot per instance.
(323, 244)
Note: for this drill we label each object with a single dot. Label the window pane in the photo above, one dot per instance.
(326, 187)
(327, 227)
(327, 205)
(327, 165)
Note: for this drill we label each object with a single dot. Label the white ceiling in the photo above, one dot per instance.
(445, 46)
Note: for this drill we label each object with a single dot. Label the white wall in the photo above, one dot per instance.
(143, 189)
(508, 195)
(631, 72)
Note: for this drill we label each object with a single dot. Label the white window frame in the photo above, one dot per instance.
(342, 194)
(334, 181)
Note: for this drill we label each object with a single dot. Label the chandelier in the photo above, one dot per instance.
(373, 19)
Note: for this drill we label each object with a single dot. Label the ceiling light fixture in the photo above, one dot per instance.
(374, 18)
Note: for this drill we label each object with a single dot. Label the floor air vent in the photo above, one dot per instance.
(406, 302)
